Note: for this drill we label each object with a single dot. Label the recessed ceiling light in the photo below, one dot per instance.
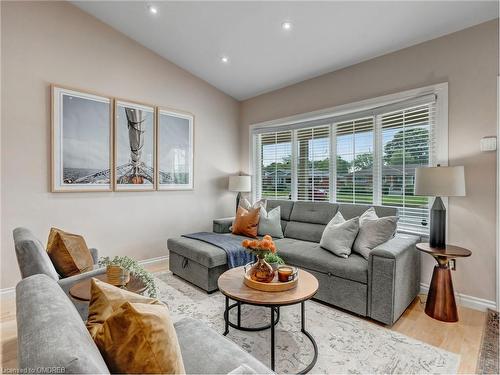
(152, 9)
(287, 25)
(224, 59)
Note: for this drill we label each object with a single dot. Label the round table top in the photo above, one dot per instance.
(81, 290)
(231, 285)
(450, 251)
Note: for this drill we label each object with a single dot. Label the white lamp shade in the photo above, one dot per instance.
(241, 184)
(440, 181)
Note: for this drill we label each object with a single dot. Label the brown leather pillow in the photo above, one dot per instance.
(69, 253)
(246, 222)
(133, 333)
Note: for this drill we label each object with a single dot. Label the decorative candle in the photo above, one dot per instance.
(285, 274)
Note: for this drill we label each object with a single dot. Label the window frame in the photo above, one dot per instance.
(441, 133)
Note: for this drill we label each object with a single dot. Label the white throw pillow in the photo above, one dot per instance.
(373, 231)
(369, 214)
(270, 223)
(244, 203)
(339, 235)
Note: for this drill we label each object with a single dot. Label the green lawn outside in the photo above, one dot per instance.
(387, 200)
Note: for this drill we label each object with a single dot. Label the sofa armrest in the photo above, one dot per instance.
(393, 277)
(95, 254)
(223, 225)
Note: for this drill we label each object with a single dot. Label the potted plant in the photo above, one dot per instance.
(274, 260)
(261, 271)
(130, 266)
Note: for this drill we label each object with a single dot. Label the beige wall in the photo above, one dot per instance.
(56, 42)
(468, 61)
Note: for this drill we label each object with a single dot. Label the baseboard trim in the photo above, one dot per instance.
(153, 260)
(11, 292)
(466, 300)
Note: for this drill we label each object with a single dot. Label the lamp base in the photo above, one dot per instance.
(238, 198)
(437, 237)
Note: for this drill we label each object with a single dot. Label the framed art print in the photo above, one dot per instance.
(175, 150)
(81, 136)
(134, 140)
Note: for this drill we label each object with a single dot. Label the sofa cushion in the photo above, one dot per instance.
(311, 256)
(31, 255)
(50, 332)
(352, 210)
(304, 231)
(206, 351)
(246, 222)
(313, 212)
(286, 207)
(200, 252)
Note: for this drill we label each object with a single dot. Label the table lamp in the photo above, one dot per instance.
(241, 184)
(439, 182)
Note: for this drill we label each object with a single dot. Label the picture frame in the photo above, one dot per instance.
(134, 133)
(175, 149)
(81, 141)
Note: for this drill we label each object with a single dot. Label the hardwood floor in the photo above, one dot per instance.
(463, 337)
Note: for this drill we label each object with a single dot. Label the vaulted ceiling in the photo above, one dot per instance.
(261, 54)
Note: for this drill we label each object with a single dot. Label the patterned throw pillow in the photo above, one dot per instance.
(339, 235)
(134, 333)
(69, 253)
(244, 203)
(270, 222)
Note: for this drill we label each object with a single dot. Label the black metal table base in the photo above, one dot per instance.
(275, 316)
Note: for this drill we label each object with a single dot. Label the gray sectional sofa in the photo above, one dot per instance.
(53, 338)
(381, 287)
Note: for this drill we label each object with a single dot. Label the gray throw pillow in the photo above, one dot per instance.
(374, 232)
(339, 235)
(270, 223)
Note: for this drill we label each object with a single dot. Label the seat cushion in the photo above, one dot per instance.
(205, 351)
(311, 256)
(200, 252)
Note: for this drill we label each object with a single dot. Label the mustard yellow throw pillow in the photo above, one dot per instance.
(133, 333)
(69, 253)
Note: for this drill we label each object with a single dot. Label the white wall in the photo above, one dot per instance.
(55, 42)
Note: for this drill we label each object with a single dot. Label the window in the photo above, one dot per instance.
(275, 165)
(364, 156)
(313, 164)
(354, 165)
(406, 145)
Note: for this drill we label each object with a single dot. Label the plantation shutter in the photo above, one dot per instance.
(275, 172)
(354, 162)
(313, 163)
(408, 142)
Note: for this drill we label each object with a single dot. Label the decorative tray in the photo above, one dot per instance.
(273, 286)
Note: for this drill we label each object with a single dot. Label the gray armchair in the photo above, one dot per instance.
(33, 259)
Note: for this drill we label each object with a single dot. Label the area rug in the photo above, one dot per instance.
(489, 353)
(346, 343)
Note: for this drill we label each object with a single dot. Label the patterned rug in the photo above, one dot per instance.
(346, 343)
(488, 356)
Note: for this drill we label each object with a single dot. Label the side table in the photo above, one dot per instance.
(440, 303)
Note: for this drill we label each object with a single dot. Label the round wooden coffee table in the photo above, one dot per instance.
(81, 290)
(440, 302)
(231, 285)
